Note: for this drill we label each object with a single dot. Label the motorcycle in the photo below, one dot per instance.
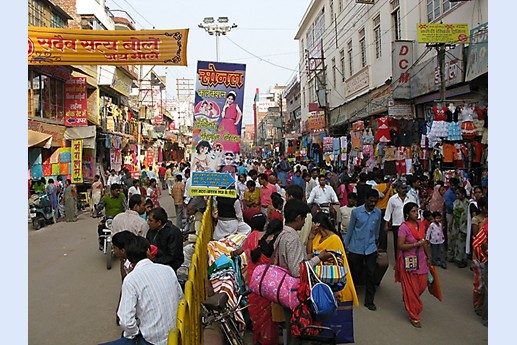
(40, 210)
(105, 245)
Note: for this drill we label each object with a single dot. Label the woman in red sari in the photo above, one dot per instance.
(411, 243)
(258, 248)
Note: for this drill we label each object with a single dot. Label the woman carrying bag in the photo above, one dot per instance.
(413, 261)
(324, 236)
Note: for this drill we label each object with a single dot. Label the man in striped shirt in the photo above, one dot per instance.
(150, 297)
(290, 251)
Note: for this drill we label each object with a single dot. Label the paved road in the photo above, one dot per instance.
(73, 298)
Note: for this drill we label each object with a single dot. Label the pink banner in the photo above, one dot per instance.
(76, 102)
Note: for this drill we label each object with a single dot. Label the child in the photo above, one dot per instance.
(346, 211)
(435, 236)
(428, 219)
(252, 196)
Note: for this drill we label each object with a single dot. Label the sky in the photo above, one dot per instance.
(264, 37)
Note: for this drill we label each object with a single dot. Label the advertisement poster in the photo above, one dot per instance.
(76, 102)
(217, 122)
(77, 160)
(477, 56)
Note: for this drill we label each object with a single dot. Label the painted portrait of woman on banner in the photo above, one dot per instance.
(217, 116)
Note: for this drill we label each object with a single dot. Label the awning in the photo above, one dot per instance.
(87, 134)
(39, 139)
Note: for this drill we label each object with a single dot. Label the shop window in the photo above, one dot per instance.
(48, 97)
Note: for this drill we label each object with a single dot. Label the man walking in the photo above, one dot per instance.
(394, 213)
(361, 242)
(265, 192)
(178, 192)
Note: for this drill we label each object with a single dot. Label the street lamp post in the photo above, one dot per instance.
(221, 27)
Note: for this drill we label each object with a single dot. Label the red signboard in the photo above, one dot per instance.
(76, 102)
(149, 158)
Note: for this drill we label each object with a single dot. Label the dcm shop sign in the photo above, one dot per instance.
(402, 60)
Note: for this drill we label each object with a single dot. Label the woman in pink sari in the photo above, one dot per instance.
(231, 116)
(258, 248)
(412, 248)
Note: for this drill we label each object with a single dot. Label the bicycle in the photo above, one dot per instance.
(215, 309)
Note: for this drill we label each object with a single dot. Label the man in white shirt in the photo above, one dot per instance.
(151, 174)
(131, 219)
(150, 297)
(322, 194)
(113, 178)
(313, 182)
(134, 189)
(414, 183)
(395, 214)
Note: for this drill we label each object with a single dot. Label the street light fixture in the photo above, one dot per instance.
(220, 28)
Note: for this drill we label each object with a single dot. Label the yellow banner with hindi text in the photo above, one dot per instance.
(57, 46)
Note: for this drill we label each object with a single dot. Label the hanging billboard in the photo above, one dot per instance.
(63, 46)
(217, 122)
(442, 33)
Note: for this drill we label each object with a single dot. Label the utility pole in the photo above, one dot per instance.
(441, 60)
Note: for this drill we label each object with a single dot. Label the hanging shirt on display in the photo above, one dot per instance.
(383, 132)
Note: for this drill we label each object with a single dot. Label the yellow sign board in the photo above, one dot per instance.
(57, 46)
(443, 33)
(77, 160)
(206, 191)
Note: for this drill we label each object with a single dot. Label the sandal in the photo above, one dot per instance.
(415, 323)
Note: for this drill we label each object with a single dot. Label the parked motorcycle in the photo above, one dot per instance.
(105, 245)
(40, 210)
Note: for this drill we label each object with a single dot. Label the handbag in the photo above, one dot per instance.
(333, 271)
(411, 262)
(275, 284)
(322, 298)
(342, 322)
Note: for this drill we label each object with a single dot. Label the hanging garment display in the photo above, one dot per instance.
(468, 128)
(355, 137)
(328, 143)
(439, 126)
(358, 126)
(383, 132)
(367, 138)
(344, 144)
(336, 146)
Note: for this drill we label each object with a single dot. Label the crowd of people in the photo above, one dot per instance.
(435, 221)
(288, 213)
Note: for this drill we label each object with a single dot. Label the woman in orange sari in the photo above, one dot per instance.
(258, 248)
(412, 277)
(324, 236)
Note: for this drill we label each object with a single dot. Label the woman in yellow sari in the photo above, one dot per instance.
(324, 236)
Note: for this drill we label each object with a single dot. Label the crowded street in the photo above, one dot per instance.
(307, 172)
(68, 278)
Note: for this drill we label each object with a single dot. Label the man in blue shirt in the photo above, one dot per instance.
(361, 242)
(450, 197)
(298, 180)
